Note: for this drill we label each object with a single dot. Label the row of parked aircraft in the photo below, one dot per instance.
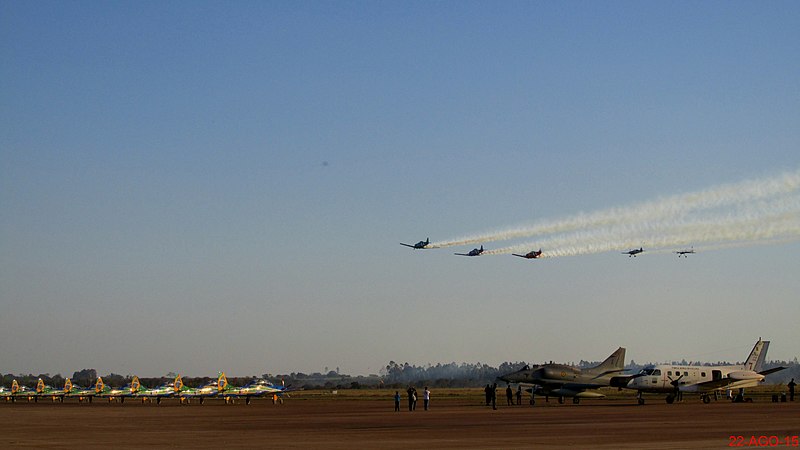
(535, 253)
(558, 380)
(175, 389)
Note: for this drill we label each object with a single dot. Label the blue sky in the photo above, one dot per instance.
(198, 186)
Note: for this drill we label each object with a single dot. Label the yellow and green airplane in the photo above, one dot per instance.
(258, 388)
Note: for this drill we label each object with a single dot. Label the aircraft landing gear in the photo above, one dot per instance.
(561, 400)
(575, 400)
(706, 399)
(247, 400)
(640, 398)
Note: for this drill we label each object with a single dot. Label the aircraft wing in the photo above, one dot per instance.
(769, 371)
(461, 254)
(407, 245)
(521, 256)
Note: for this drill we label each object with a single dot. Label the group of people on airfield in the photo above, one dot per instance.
(412, 398)
(491, 395)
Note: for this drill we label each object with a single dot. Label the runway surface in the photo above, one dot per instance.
(458, 422)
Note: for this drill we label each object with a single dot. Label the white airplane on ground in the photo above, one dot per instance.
(674, 380)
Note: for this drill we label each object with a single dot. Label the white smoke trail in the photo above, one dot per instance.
(775, 219)
(674, 206)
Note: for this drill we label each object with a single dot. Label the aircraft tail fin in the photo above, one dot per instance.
(135, 384)
(756, 358)
(14, 387)
(178, 384)
(67, 385)
(40, 386)
(99, 386)
(222, 382)
(614, 363)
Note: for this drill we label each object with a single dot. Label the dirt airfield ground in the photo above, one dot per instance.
(353, 419)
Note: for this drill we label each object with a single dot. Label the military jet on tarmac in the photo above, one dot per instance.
(559, 380)
(633, 252)
(419, 245)
(473, 252)
(258, 388)
(685, 252)
(530, 255)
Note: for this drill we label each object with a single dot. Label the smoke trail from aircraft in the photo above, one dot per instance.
(777, 219)
(674, 206)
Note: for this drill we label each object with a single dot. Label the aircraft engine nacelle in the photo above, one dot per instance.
(745, 375)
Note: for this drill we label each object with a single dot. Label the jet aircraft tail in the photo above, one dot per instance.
(67, 385)
(14, 387)
(613, 364)
(99, 386)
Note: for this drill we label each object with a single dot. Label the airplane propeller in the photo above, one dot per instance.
(676, 385)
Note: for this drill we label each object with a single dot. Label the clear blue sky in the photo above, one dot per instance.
(202, 186)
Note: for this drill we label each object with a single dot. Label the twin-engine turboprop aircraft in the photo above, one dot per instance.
(674, 380)
(560, 380)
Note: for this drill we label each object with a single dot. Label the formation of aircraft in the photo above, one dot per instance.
(708, 381)
(535, 254)
(560, 380)
(473, 252)
(419, 245)
(530, 255)
(175, 389)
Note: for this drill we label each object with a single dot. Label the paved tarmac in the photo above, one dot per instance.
(369, 423)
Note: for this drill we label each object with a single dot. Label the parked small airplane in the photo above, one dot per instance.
(685, 252)
(633, 252)
(705, 380)
(258, 388)
(473, 252)
(186, 393)
(418, 245)
(75, 391)
(559, 380)
(530, 255)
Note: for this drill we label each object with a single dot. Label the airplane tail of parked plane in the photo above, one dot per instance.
(177, 385)
(757, 356)
(99, 386)
(40, 386)
(14, 387)
(67, 385)
(613, 364)
(222, 382)
(135, 384)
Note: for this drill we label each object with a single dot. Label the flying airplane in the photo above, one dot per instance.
(633, 252)
(685, 252)
(473, 252)
(420, 244)
(674, 380)
(530, 255)
(559, 380)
